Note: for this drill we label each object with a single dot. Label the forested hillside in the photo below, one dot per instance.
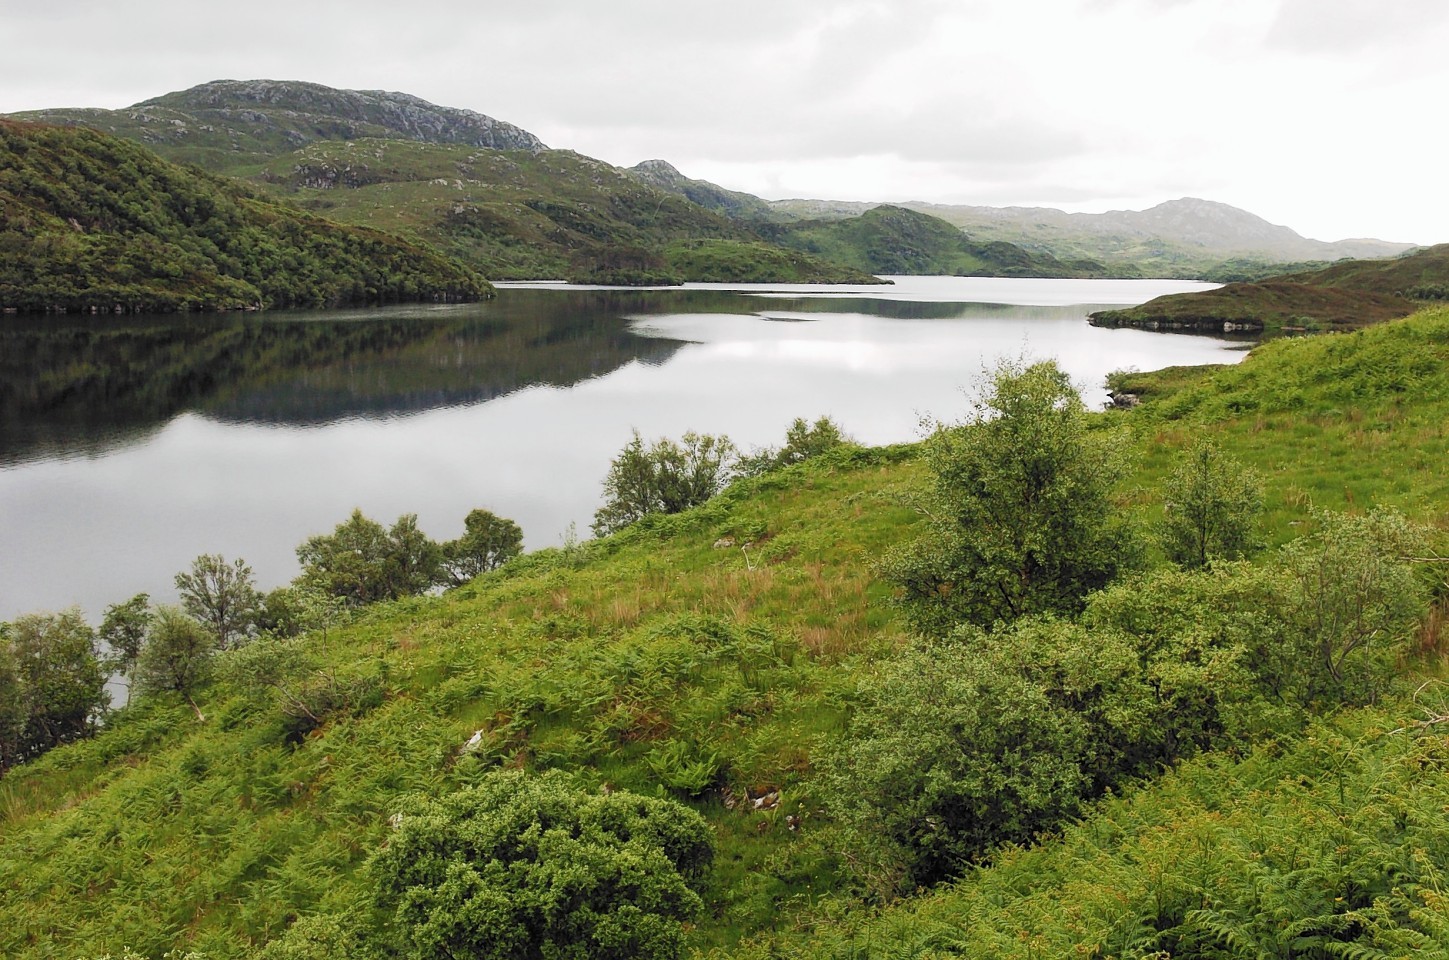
(94, 222)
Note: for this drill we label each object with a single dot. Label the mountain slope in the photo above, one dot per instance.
(90, 221)
(731, 203)
(1343, 296)
(233, 126)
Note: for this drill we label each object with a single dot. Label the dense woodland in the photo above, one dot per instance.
(1050, 682)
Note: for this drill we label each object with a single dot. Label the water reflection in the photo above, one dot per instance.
(129, 446)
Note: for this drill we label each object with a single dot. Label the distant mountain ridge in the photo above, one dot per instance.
(1187, 234)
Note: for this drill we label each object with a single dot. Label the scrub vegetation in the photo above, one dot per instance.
(716, 729)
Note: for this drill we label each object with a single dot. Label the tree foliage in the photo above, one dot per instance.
(221, 595)
(360, 562)
(1212, 506)
(1020, 518)
(524, 867)
(177, 656)
(488, 541)
(664, 477)
(123, 631)
(802, 441)
(52, 685)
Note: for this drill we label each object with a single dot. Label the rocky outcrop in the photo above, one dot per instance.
(310, 109)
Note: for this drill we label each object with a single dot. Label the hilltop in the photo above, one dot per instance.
(1343, 296)
(92, 221)
(235, 126)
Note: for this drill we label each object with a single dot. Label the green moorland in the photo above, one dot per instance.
(726, 657)
(95, 222)
(535, 214)
(894, 240)
(1343, 296)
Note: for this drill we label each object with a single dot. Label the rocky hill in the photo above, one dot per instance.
(731, 203)
(230, 126)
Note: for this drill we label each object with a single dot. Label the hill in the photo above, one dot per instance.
(1343, 296)
(1188, 238)
(731, 203)
(524, 215)
(236, 126)
(484, 191)
(665, 660)
(94, 222)
(895, 240)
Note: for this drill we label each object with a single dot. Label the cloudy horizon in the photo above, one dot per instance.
(1321, 115)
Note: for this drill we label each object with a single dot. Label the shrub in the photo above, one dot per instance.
(1020, 518)
(665, 477)
(529, 867)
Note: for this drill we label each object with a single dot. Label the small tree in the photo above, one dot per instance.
(1212, 506)
(1352, 598)
(488, 541)
(802, 441)
(123, 630)
(525, 867)
(666, 477)
(55, 670)
(1020, 518)
(361, 562)
(222, 596)
(177, 656)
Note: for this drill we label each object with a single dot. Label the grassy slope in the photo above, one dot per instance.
(1326, 826)
(1343, 296)
(890, 239)
(90, 220)
(522, 214)
(655, 652)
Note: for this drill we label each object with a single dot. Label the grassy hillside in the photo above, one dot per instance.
(710, 657)
(894, 240)
(95, 222)
(1343, 296)
(527, 214)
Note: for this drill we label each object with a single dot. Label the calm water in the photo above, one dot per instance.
(130, 445)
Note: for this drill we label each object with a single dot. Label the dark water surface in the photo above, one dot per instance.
(130, 445)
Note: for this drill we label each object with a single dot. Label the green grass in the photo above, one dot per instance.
(714, 651)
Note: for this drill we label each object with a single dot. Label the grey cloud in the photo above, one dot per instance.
(1346, 26)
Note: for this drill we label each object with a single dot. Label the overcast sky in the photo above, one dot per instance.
(1324, 115)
